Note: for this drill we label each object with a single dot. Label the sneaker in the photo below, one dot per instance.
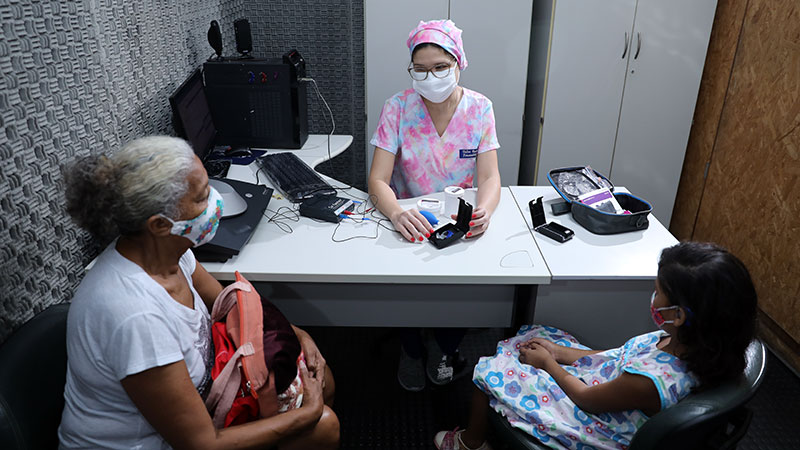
(410, 372)
(441, 368)
(451, 440)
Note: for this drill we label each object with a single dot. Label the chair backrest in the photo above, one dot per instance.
(33, 370)
(689, 423)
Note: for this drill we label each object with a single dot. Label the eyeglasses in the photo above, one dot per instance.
(441, 70)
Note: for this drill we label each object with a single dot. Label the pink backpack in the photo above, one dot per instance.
(248, 359)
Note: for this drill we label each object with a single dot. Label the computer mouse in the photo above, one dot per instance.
(233, 203)
(430, 217)
(239, 153)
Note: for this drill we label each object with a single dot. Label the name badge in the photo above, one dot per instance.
(467, 153)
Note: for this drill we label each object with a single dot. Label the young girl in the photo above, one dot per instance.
(568, 396)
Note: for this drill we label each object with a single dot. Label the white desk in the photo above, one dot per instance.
(387, 281)
(601, 284)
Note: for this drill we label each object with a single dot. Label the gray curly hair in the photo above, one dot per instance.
(115, 194)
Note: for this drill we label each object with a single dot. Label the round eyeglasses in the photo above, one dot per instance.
(441, 70)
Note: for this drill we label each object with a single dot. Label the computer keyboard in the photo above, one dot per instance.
(293, 177)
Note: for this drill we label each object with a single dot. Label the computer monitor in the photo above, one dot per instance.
(192, 116)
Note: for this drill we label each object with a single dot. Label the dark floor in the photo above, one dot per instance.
(376, 413)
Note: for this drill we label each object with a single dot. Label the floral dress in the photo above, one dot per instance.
(424, 161)
(532, 401)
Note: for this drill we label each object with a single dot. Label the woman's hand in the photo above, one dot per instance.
(411, 224)
(535, 355)
(312, 390)
(479, 223)
(314, 360)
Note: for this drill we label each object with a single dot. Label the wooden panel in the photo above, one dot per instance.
(751, 202)
(710, 99)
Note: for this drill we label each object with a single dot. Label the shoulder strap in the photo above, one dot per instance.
(227, 299)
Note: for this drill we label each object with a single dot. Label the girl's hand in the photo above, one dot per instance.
(535, 355)
(552, 347)
(479, 222)
(412, 225)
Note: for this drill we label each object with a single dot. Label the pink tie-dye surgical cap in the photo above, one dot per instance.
(443, 33)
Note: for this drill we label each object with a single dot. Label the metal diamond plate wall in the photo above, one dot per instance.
(79, 77)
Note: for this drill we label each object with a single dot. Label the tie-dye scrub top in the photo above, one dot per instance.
(532, 401)
(425, 162)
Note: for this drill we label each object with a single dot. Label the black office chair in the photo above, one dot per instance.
(712, 419)
(33, 369)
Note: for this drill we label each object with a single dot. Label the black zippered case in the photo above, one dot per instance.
(572, 182)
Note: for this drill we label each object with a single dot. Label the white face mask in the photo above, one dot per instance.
(435, 89)
(202, 228)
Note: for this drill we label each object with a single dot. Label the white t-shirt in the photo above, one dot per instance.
(122, 322)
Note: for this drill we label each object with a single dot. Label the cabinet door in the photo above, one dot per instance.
(586, 74)
(386, 56)
(671, 38)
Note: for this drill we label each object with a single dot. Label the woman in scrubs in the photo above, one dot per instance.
(434, 135)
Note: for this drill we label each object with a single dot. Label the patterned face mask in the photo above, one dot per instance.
(202, 228)
(658, 319)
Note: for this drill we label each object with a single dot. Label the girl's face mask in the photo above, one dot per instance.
(655, 313)
(202, 228)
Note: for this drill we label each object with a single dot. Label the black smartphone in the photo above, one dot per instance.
(554, 231)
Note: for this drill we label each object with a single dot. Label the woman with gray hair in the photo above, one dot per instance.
(139, 332)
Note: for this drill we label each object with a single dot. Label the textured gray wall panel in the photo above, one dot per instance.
(75, 78)
(79, 77)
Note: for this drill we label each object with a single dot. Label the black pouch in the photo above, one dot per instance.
(451, 233)
(572, 182)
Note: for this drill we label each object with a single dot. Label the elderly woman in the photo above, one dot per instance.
(138, 332)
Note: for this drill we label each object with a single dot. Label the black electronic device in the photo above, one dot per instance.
(234, 232)
(451, 233)
(192, 121)
(327, 208)
(294, 59)
(257, 103)
(294, 178)
(244, 40)
(215, 38)
(554, 231)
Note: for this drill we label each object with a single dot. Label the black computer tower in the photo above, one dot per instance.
(257, 103)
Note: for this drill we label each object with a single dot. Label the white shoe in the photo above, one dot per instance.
(451, 440)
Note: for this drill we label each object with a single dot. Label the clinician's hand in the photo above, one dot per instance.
(479, 223)
(412, 225)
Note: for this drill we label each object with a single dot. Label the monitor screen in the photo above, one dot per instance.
(191, 115)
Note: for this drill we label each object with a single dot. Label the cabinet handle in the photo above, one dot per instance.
(638, 44)
(625, 50)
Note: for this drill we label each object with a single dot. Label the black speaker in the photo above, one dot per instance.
(215, 38)
(244, 41)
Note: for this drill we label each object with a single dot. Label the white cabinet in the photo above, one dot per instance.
(622, 83)
(496, 38)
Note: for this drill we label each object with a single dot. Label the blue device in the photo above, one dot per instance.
(429, 215)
